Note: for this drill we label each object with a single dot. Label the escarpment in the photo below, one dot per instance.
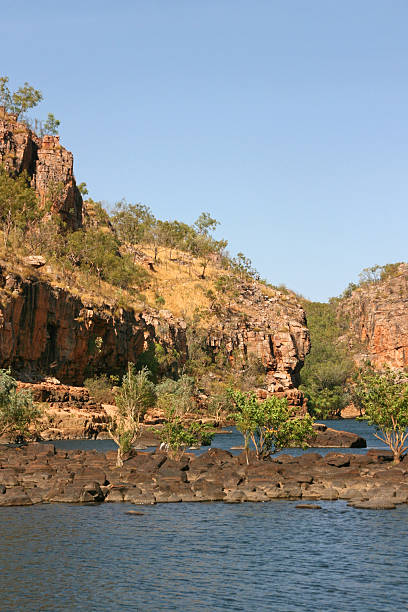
(271, 328)
(46, 330)
(48, 165)
(377, 314)
(52, 327)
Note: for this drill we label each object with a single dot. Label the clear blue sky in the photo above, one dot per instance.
(285, 119)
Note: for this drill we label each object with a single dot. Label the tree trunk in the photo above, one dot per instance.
(119, 460)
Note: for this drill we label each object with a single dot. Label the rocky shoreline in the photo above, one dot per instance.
(38, 473)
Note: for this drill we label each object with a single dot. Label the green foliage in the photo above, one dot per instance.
(160, 361)
(17, 410)
(383, 396)
(242, 266)
(51, 125)
(83, 189)
(176, 396)
(270, 423)
(132, 221)
(176, 436)
(328, 365)
(136, 394)
(372, 275)
(18, 203)
(21, 100)
(97, 252)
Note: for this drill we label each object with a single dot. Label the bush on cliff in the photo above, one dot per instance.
(18, 204)
(17, 410)
(269, 424)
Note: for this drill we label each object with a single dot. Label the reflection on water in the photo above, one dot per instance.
(214, 557)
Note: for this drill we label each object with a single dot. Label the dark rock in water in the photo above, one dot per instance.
(327, 437)
(134, 513)
(39, 474)
(308, 507)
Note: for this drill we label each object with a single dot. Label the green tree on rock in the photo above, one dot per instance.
(133, 398)
(21, 100)
(269, 424)
(383, 396)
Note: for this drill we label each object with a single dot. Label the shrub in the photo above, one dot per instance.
(17, 410)
(269, 424)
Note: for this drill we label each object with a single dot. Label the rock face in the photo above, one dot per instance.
(378, 318)
(40, 474)
(272, 328)
(46, 330)
(68, 412)
(47, 163)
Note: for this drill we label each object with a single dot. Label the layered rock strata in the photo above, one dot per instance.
(378, 319)
(40, 474)
(67, 412)
(47, 330)
(271, 328)
(48, 165)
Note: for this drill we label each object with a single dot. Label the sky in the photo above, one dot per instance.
(285, 119)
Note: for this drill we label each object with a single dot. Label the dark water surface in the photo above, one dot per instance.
(205, 557)
(232, 438)
(193, 557)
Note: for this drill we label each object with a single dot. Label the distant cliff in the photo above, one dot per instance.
(377, 317)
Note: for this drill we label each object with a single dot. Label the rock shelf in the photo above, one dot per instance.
(38, 473)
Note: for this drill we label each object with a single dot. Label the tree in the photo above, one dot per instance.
(205, 224)
(383, 396)
(17, 410)
(21, 100)
(177, 395)
(176, 436)
(131, 221)
(18, 203)
(51, 126)
(133, 398)
(269, 424)
(328, 365)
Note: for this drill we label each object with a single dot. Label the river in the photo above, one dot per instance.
(204, 557)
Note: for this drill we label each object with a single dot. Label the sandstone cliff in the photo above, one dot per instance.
(270, 327)
(47, 163)
(46, 330)
(49, 329)
(377, 314)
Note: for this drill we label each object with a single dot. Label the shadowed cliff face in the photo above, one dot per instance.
(47, 163)
(45, 330)
(378, 317)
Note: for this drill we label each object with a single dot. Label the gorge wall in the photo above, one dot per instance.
(377, 314)
(46, 330)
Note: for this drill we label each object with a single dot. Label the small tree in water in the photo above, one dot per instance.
(17, 409)
(269, 424)
(384, 399)
(133, 398)
(177, 436)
